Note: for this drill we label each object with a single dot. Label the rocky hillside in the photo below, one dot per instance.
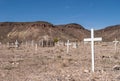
(41, 30)
(109, 33)
(44, 30)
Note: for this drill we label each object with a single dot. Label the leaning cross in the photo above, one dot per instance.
(68, 44)
(92, 39)
(116, 42)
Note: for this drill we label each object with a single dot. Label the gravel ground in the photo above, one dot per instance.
(54, 64)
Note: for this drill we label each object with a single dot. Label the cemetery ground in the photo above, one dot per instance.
(55, 64)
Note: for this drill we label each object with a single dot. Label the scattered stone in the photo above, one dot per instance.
(118, 77)
(106, 57)
(116, 67)
(92, 80)
(86, 71)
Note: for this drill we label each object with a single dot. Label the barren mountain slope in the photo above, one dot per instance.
(109, 33)
(39, 30)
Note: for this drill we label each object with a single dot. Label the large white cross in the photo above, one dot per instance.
(68, 44)
(116, 42)
(92, 39)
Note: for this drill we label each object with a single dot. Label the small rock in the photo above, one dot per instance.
(116, 67)
(2, 74)
(86, 71)
(118, 77)
(93, 80)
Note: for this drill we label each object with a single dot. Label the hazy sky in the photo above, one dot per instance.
(89, 13)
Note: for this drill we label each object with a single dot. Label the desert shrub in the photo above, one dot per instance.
(59, 57)
(55, 40)
(61, 50)
(9, 67)
(70, 59)
(64, 65)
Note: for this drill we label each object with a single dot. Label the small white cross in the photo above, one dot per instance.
(16, 43)
(116, 42)
(26, 43)
(42, 42)
(68, 44)
(32, 43)
(92, 39)
(74, 45)
(36, 48)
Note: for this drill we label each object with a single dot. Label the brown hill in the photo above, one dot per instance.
(109, 33)
(44, 30)
(41, 30)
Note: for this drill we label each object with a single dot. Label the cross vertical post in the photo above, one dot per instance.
(16, 44)
(92, 49)
(36, 48)
(68, 46)
(32, 43)
(116, 42)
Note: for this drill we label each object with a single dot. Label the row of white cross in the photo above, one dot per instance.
(92, 39)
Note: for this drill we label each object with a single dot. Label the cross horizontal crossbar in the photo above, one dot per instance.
(68, 44)
(116, 41)
(95, 39)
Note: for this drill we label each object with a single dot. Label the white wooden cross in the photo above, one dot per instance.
(74, 45)
(8, 44)
(16, 44)
(58, 43)
(26, 43)
(116, 42)
(32, 43)
(68, 44)
(92, 39)
(36, 48)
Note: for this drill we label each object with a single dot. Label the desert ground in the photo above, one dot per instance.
(54, 64)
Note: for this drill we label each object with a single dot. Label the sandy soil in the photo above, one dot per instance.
(54, 64)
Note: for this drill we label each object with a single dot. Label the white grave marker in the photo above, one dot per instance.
(58, 43)
(32, 43)
(26, 43)
(16, 44)
(74, 45)
(42, 43)
(8, 44)
(36, 48)
(92, 39)
(68, 44)
(116, 42)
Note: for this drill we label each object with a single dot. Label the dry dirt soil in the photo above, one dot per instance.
(54, 64)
